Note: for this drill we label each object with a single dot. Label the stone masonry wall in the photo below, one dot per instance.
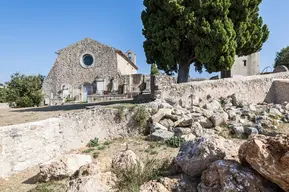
(67, 69)
(26, 145)
(253, 89)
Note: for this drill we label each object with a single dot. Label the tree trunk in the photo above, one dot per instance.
(183, 74)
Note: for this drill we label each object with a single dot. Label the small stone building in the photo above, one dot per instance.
(90, 68)
(244, 66)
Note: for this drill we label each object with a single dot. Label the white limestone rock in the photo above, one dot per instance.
(161, 135)
(195, 157)
(157, 126)
(219, 118)
(63, 167)
(102, 182)
(213, 106)
(126, 160)
(153, 186)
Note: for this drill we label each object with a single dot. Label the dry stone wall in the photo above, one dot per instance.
(26, 145)
(252, 89)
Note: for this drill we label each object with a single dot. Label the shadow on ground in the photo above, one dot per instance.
(75, 106)
(32, 180)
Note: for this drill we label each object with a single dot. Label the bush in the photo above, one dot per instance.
(131, 180)
(25, 91)
(175, 142)
(93, 143)
(154, 70)
(141, 117)
(3, 95)
(95, 155)
(120, 114)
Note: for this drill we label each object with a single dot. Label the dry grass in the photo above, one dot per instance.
(131, 180)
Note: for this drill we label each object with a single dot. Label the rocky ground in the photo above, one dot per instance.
(101, 155)
(199, 145)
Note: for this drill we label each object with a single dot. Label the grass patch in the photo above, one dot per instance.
(93, 143)
(131, 180)
(88, 150)
(175, 142)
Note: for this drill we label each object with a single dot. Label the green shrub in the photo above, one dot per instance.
(120, 114)
(93, 143)
(106, 143)
(95, 155)
(141, 117)
(175, 142)
(88, 150)
(130, 180)
(101, 147)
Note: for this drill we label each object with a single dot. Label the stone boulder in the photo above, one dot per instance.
(251, 131)
(197, 129)
(213, 106)
(157, 126)
(87, 170)
(126, 160)
(219, 118)
(238, 130)
(179, 131)
(269, 156)
(185, 122)
(101, 182)
(153, 186)
(63, 167)
(205, 122)
(287, 106)
(179, 183)
(195, 157)
(189, 137)
(161, 135)
(160, 115)
(168, 123)
(275, 112)
(224, 176)
(232, 115)
(204, 112)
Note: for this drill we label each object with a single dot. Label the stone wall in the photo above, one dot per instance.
(252, 66)
(124, 67)
(26, 145)
(252, 88)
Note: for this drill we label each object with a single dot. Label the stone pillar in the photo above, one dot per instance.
(115, 85)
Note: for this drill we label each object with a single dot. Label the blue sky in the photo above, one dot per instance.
(31, 31)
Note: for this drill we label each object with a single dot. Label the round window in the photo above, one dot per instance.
(87, 59)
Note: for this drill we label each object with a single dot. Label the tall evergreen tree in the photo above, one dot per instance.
(206, 33)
